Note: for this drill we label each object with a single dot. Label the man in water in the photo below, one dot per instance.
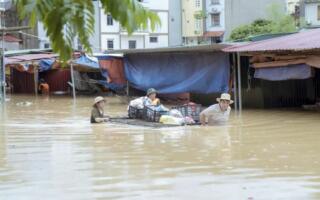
(97, 113)
(44, 87)
(217, 113)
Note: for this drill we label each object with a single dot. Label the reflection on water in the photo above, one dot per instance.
(49, 150)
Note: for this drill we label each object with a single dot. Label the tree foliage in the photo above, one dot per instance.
(277, 22)
(63, 20)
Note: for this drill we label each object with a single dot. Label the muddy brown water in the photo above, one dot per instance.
(49, 150)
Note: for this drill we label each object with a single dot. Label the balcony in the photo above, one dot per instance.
(5, 4)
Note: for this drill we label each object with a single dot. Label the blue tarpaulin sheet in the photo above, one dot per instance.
(291, 72)
(201, 72)
(112, 86)
(88, 62)
(45, 64)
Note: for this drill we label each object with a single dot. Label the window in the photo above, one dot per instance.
(197, 3)
(153, 39)
(132, 44)
(109, 20)
(197, 24)
(215, 19)
(110, 44)
(318, 12)
(46, 45)
(213, 2)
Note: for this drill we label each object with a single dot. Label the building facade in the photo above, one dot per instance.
(175, 23)
(24, 39)
(291, 6)
(113, 36)
(310, 12)
(192, 27)
(241, 12)
(219, 17)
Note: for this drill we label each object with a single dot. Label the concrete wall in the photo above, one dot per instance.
(311, 14)
(139, 41)
(156, 4)
(240, 12)
(12, 19)
(163, 41)
(105, 28)
(163, 15)
(8, 46)
(106, 37)
(175, 23)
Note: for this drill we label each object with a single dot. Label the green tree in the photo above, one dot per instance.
(64, 20)
(277, 22)
(258, 27)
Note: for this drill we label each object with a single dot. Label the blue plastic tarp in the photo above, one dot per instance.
(201, 72)
(284, 73)
(112, 86)
(88, 62)
(45, 65)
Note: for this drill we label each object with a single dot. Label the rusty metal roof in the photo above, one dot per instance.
(302, 41)
(11, 38)
(31, 57)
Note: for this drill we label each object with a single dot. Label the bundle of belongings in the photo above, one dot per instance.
(150, 109)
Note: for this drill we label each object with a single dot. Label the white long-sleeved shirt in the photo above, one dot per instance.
(215, 115)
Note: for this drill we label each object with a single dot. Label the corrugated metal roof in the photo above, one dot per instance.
(11, 38)
(26, 51)
(212, 47)
(302, 41)
(28, 58)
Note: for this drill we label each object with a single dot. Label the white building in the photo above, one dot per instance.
(44, 42)
(113, 36)
(311, 10)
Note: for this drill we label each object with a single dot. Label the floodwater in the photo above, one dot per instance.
(49, 150)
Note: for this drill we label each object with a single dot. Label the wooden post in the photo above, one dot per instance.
(3, 71)
(35, 77)
(128, 88)
(239, 83)
(72, 80)
(234, 69)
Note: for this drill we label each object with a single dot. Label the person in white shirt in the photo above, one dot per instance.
(217, 113)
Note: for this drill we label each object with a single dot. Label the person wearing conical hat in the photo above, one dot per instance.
(217, 113)
(97, 112)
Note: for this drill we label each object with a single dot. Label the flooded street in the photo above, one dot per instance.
(49, 150)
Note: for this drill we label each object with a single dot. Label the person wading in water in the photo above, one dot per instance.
(217, 113)
(97, 112)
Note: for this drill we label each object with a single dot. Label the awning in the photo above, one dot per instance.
(197, 72)
(302, 41)
(213, 34)
(284, 73)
